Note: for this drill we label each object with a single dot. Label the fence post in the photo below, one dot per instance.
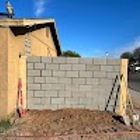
(124, 86)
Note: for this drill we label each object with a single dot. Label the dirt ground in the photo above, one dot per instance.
(71, 121)
(67, 121)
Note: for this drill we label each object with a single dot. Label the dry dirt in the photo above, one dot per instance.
(67, 121)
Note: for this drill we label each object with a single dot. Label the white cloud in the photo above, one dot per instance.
(39, 7)
(129, 47)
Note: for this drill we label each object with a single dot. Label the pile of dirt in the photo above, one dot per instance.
(67, 121)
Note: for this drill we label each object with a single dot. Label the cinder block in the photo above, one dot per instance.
(113, 61)
(104, 87)
(33, 106)
(103, 90)
(46, 73)
(58, 86)
(34, 100)
(92, 81)
(78, 106)
(45, 59)
(34, 87)
(92, 107)
(97, 74)
(108, 91)
(85, 101)
(95, 88)
(107, 68)
(33, 73)
(101, 107)
(39, 80)
(33, 59)
(30, 66)
(39, 107)
(78, 80)
(52, 66)
(100, 61)
(92, 95)
(65, 67)
(85, 60)
(104, 81)
(39, 93)
(64, 94)
(85, 88)
(59, 60)
(30, 80)
(62, 80)
(101, 102)
(112, 75)
(78, 67)
(29, 106)
(30, 94)
(57, 100)
(46, 87)
(50, 94)
(72, 101)
(46, 101)
(85, 74)
(64, 106)
(93, 67)
(36, 106)
(79, 94)
(117, 68)
(52, 107)
(59, 73)
(71, 87)
(52, 80)
(97, 105)
(39, 66)
(72, 74)
(72, 60)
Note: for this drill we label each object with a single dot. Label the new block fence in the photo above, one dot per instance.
(55, 83)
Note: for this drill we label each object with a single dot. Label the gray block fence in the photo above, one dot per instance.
(55, 83)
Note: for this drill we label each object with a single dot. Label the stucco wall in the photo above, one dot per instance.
(16, 46)
(40, 41)
(3, 70)
(55, 83)
(11, 45)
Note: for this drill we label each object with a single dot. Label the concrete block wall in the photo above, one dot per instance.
(55, 83)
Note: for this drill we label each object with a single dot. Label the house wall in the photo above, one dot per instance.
(15, 47)
(40, 41)
(3, 70)
(55, 83)
(12, 44)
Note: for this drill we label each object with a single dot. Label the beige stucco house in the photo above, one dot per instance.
(37, 37)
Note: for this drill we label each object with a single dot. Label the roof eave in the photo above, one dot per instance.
(33, 22)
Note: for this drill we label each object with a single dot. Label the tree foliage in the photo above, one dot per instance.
(70, 53)
(132, 56)
(136, 54)
(127, 55)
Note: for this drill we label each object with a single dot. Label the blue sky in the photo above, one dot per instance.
(89, 27)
